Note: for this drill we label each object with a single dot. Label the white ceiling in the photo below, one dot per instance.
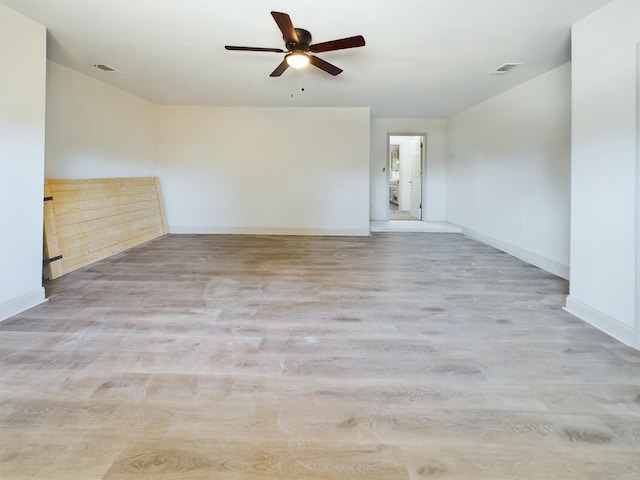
(423, 58)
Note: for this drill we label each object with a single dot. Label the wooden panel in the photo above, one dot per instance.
(91, 219)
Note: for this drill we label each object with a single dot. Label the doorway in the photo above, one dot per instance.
(405, 167)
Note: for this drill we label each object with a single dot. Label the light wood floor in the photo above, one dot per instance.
(399, 356)
(396, 214)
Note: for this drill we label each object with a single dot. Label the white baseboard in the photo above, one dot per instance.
(610, 326)
(22, 303)
(556, 268)
(330, 232)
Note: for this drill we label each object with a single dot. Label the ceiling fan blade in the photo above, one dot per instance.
(326, 66)
(350, 42)
(286, 27)
(253, 49)
(280, 69)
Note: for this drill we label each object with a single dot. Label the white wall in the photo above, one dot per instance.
(265, 170)
(509, 171)
(434, 181)
(95, 130)
(222, 169)
(22, 125)
(604, 282)
(636, 343)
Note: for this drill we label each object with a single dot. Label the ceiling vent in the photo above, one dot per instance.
(505, 68)
(106, 68)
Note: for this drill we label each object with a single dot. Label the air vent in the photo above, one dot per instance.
(106, 68)
(505, 68)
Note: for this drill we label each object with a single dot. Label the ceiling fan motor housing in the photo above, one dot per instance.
(304, 40)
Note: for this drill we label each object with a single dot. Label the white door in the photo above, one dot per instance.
(415, 163)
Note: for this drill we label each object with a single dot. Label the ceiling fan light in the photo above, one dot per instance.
(297, 60)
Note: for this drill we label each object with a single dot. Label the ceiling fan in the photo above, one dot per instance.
(299, 48)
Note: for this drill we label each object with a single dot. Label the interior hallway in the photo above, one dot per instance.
(261, 357)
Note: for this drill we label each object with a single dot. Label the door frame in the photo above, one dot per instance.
(423, 166)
